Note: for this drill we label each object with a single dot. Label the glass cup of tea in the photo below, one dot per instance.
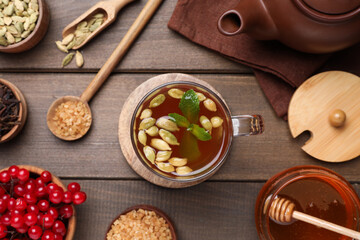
(315, 191)
(182, 131)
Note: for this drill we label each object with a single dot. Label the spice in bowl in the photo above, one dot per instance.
(72, 118)
(9, 110)
(17, 20)
(140, 224)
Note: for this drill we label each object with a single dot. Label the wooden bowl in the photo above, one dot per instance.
(22, 112)
(34, 38)
(149, 208)
(71, 221)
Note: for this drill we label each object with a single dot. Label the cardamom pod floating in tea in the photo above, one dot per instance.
(165, 167)
(157, 101)
(147, 123)
(149, 154)
(162, 156)
(178, 162)
(146, 113)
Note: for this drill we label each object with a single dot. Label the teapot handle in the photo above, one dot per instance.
(246, 125)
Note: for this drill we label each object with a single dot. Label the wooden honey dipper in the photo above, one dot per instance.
(283, 210)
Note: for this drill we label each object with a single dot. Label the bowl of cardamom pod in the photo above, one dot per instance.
(23, 23)
(13, 110)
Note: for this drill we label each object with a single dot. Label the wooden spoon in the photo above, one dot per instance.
(110, 10)
(283, 211)
(105, 71)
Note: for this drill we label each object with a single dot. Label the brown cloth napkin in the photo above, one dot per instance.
(278, 69)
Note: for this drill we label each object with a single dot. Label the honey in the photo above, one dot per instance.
(315, 191)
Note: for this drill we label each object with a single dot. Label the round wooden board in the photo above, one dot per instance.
(125, 126)
(311, 106)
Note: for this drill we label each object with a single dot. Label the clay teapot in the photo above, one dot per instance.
(313, 26)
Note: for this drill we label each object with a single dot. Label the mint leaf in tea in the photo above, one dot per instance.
(189, 105)
(181, 130)
(179, 120)
(199, 132)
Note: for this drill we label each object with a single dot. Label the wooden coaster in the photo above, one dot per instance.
(312, 108)
(125, 126)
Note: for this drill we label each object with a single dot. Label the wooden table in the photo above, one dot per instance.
(220, 208)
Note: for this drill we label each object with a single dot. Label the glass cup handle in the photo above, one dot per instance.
(246, 125)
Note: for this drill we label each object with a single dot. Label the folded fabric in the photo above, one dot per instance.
(278, 69)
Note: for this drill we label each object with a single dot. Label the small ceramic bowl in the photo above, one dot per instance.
(35, 37)
(70, 229)
(149, 208)
(22, 112)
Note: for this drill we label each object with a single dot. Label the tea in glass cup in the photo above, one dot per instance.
(182, 130)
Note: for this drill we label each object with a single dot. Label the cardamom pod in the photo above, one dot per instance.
(7, 21)
(200, 96)
(99, 15)
(25, 34)
(9, 10)
(210, 105)
(68, 39)
(71, 44)
(81, 25)
(216, 121)
(61, 47)
(79, 59)
(147, 123)
(67, 59)
(27, 24)
(165, 167)
(3, 41)
(2, 31)
(19, 5)
(144, 114)
(95, 26)
(157, 101)
(162, 156)
(183, 170)
(10, 38)
(149, 153)
(178, 162)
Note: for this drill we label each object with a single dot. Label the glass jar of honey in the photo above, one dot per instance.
(314, 190)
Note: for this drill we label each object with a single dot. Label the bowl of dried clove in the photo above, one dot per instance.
(13, 110)
(23, 23)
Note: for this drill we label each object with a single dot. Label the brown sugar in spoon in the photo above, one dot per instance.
(110, 10)
(283, 211)
(105, 71)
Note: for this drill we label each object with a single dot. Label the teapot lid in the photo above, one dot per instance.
(330, 10)
(333, 6)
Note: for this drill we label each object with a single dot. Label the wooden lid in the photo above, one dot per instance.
(313, 107)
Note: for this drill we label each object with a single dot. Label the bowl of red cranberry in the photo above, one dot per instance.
(34, 204)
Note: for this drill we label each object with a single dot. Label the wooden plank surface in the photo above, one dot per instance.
(212, 211)
(154, 50)
(251, 158)
(220, 208)
(227, 214)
